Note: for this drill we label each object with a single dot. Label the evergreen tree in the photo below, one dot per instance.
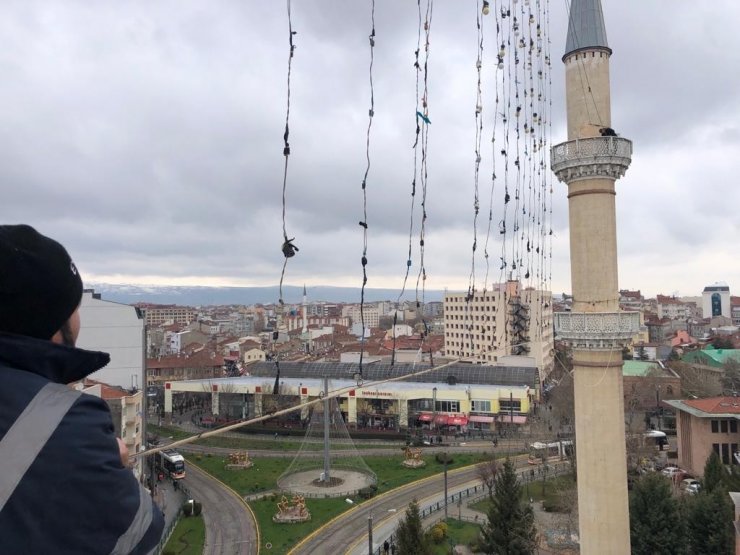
(410, 533)
(714, 473)
(710, 524)
(510, 528)
(656, 526)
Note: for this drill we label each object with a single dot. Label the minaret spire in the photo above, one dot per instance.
(305, 311)
(586, 27)
(590, 162)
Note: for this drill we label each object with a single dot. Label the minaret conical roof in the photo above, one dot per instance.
(586, 27)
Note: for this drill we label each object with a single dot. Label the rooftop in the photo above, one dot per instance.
(463, 373)
(586, 27)
(711, 407)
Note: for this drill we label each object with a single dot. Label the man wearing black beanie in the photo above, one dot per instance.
(64, 483)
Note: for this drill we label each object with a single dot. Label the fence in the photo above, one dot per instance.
(171, 528)
(476, 493)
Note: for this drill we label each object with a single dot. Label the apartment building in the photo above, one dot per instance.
(508, 320)
(126, 407)
(158, 314)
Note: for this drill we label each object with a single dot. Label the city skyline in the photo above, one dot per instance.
(150, 143)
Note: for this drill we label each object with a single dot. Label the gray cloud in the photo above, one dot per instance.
(148, 138)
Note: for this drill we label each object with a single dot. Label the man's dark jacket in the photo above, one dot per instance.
(63, 489)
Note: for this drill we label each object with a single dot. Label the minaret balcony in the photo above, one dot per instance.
(597, 330)
(590, 158)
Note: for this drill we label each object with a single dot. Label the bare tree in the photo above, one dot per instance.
(487, 471)
(731, 378)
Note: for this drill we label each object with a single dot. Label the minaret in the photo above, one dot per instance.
(305, 311)
(590, 162)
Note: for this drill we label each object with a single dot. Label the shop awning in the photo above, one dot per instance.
(457, 421)
(515, 419)
(425, 417)
(483, 419)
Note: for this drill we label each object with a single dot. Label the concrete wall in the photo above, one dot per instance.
(115, 329)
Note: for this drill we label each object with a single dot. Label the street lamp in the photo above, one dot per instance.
(657, 404)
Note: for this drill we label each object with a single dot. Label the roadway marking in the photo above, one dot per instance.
(239, 497)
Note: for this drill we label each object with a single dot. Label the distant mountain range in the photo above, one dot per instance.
(202, 296)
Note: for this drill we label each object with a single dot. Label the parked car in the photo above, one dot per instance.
(693, 489)
(672, 472)
(690, 486)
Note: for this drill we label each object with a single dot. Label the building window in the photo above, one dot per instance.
(715, 448)
(507, 405)
(725, 453)
(715, 427)
(733, 426)
(723, 426)
(480, 405)
(448, 406)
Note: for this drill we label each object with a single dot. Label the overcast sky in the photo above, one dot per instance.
(147, 138)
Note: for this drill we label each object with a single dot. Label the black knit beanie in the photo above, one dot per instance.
(40, 287)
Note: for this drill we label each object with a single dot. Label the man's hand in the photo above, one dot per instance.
(123, 452)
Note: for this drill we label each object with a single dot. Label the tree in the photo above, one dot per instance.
(709, 527)
(487, 471)
(722, 343)
(714, 473)
(410, 533)
(641, 354)
(731, 377)
(510, 528)
(655, 524)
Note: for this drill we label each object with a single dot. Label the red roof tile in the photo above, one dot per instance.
(716, 405)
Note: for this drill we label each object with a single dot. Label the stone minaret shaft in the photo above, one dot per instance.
(590, 162)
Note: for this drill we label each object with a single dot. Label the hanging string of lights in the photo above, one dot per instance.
(363, 222)
(519, 139)
(417, 133)
(477, 142)
(423, 168)
(483, 9)
(288, 248)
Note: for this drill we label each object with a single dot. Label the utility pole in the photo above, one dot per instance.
(326, 430)
(370, 535)
(445, 485)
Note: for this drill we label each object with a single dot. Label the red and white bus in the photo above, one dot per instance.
(170, 463)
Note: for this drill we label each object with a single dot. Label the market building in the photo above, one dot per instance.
(456, 398)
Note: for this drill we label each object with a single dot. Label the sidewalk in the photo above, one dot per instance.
(169, 500)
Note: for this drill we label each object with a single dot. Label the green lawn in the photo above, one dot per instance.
(285, 536)
(263, 477)
(260, 477)
(548, 492)
(458, 533)
(265, 472)
(188, 538)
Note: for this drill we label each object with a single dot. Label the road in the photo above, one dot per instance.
(351, 528)
(348, 534)
(230, 526)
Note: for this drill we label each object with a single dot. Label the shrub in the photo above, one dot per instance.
(438, 532)
(367, 493)
(187, 508)
(197, 508)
